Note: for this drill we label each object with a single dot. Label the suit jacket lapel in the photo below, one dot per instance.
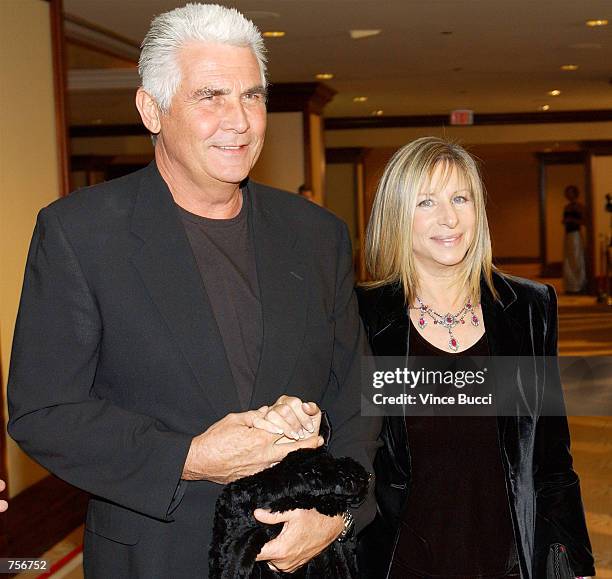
(169, 270)
(283, 282)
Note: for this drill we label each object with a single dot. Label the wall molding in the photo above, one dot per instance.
(480, 119)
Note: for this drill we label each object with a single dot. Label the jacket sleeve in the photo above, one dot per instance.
(353, 435)
(559, 512)
(126, 458)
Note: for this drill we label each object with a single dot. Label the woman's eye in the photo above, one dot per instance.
(426, 203)
(460, 199)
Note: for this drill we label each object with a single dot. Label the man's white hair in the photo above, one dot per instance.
(158, 65)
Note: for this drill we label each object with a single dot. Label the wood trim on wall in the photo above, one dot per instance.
(480, 119)
(542, 220)
(288, 97)
(591, 242)
(307, 139)
(60, 89)
(89, 131)
(597, 147)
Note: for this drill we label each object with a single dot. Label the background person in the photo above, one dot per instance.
(306, 192)
(574, 273)
(461, 496)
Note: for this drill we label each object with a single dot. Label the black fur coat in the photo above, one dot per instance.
(304, 479)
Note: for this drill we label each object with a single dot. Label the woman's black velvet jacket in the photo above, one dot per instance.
(543, 490)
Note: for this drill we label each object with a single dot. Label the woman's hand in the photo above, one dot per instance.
(289, 416)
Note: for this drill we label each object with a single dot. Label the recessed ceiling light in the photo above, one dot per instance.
(569, 67)
(360, 34)
(378, 113)
(545, 107)
(274, 33)
(555, 92)
(324, 76)
(360, 99)
(594, 23)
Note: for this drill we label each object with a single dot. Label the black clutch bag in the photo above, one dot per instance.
(304, 479)
(557, 563)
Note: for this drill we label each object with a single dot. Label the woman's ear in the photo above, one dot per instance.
(149, 111)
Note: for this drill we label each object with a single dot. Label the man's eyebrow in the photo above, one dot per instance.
(207, 91)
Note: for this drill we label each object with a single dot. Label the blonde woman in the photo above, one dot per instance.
(461, 497)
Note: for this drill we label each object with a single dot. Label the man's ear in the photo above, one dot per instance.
(149, 111)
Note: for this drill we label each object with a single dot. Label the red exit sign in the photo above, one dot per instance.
(462, 117)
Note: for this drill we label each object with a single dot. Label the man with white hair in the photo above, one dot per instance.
(173, 321)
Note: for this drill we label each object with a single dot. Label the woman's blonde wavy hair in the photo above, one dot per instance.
(388, 246)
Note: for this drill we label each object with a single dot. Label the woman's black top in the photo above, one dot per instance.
(457, 520)
(572, 217)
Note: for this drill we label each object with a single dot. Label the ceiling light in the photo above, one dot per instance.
(545, 107)
(360, 34)
(569, 67)
(594, 23)
(274, 33)
(324, 76)
(555, 92)
(378, 113)
(360, 99)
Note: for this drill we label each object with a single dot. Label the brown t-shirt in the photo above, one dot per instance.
(224, 252)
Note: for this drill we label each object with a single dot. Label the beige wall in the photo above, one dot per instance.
(317, 157)
(601, 175)
(341, 195)
(512, 182)
(28, 168)
(281, 163)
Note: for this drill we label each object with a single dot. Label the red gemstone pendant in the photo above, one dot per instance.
(453, 345)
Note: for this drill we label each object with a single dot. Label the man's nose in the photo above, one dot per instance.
(235, 117)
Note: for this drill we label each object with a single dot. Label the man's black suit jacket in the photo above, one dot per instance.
(118, 362)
